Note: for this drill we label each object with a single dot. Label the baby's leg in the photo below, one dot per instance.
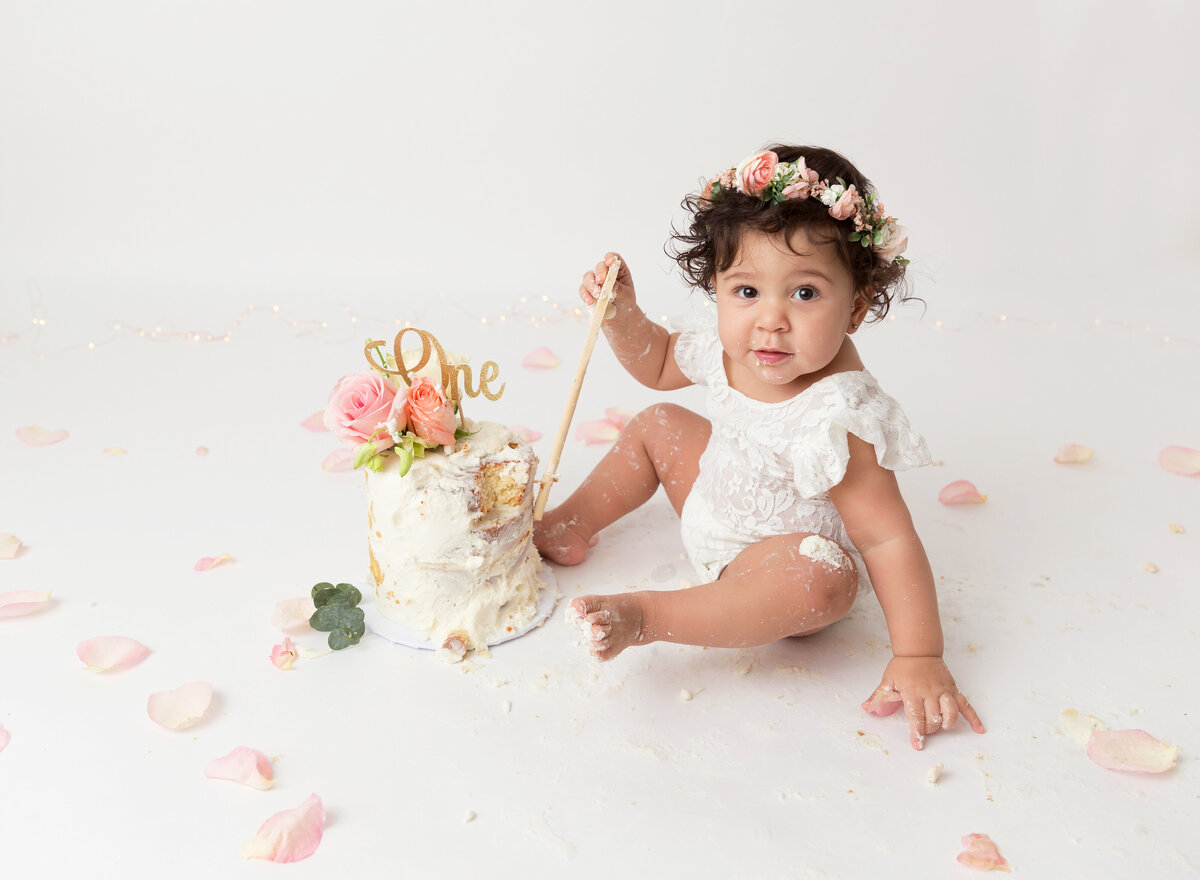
(784, 586)
(660, 446)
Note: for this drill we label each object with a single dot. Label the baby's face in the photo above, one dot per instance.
(783, 314)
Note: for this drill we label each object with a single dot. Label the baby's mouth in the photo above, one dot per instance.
(770, 356)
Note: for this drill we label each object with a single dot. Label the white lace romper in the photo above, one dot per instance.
(768, 466)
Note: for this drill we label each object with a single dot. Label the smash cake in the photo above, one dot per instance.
(449, 499)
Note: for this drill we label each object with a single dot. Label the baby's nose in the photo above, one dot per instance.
(771, 316)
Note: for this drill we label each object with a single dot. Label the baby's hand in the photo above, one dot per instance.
(930, 697)
(593, 282)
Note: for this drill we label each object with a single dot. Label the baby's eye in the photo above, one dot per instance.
(804, 294)
(745, 292)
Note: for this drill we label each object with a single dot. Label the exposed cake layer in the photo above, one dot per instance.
(451, 542)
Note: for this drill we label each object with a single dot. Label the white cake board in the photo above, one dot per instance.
(401, 634)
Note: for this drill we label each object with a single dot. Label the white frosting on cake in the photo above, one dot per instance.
(451, 542)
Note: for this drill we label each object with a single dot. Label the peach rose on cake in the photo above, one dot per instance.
(430, 415)
(753, 175)
(358, 407)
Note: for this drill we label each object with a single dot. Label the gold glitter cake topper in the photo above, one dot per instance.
(451, 373)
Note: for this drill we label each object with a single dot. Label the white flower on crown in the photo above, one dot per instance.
(832, 194)
(890, 240)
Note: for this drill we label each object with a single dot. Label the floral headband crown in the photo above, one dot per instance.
(765, 177)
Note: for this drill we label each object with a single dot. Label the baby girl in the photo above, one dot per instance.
(786, 493)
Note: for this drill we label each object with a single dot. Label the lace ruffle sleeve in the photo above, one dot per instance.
(698, 348)
(854, 404)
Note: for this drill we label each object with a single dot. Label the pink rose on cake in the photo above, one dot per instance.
(358, 407)
(430, 415)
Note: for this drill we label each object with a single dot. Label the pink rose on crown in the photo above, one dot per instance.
(804, 178)
(358, 407)
(753, 175)
(430, 415)
(846, 204)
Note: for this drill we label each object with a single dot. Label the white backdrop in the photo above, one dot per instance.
(171, 160)
(341, 167)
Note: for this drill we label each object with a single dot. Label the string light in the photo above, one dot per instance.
(536, 311)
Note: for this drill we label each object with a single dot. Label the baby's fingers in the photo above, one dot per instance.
(949, 710)
(884, 701)
(915, 710)
(933, 716)
(589, 290)
(968, 712)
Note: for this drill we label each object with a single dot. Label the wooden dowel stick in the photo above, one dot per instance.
(598, 313)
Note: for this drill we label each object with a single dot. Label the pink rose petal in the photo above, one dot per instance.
(1132, 750)
(619, 417)
(181, 707)
(540, 359)
(32, 435)
(961, 492)
(1180, 460)
(315, 422)
(20, 602)
(207, 562)
(245, 765)
(3, 738)
(290, 835)
(1073, 454)
(602, 431)
(291, 616)
(527, 434)
(338, 461)
(981, 853)
(115, 450)
(105, 653)
(283, 654)
(10, 546)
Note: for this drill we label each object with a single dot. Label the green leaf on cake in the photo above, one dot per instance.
(404, 458)
(325, 593)
(344, 636)
(337, 614)
(363, 454)
(321, 593)
(348, 594)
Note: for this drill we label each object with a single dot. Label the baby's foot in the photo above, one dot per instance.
(560, 539)
(610, 624)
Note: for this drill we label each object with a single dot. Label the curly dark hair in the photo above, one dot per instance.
(711, 243)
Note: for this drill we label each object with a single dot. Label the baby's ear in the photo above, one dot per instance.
(862, 304)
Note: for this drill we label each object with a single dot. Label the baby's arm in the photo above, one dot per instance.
(644, 348)
(879, 524)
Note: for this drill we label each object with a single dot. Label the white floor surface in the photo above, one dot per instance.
(570, 767)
